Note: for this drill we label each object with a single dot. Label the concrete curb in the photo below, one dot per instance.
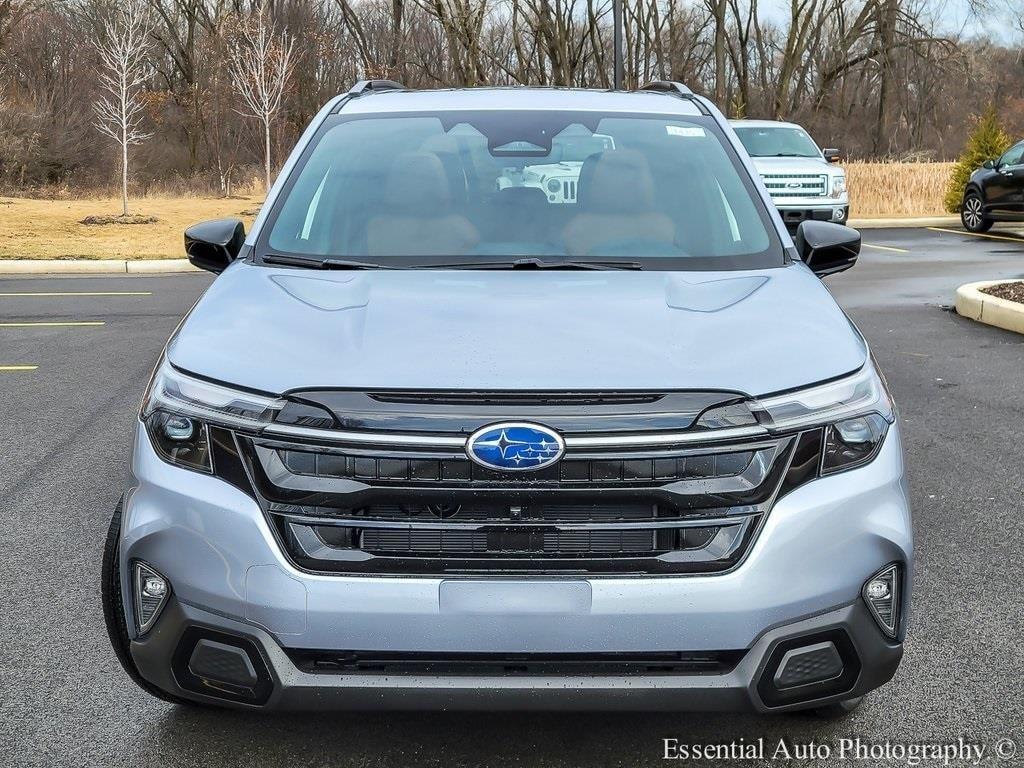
(904, 223)
(93, 266)
(975, 305)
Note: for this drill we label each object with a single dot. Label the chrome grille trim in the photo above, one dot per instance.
(808, 184)
(640, 440)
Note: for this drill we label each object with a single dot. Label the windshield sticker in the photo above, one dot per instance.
(685, 130)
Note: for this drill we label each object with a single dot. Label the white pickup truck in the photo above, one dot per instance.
(800, 177)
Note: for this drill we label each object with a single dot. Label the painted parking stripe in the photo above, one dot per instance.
(977, 234)
(14, 368)
(78, 293)
(50, 324)
(885, 248)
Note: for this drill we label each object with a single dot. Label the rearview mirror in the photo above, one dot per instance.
(827, 248)
(213, 245)
(832, 154)
(989, 164)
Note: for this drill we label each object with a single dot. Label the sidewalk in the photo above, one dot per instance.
(905, 223)
(93, 266)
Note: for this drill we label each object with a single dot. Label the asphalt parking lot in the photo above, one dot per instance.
(68, 397)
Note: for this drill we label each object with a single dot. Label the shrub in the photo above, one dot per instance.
(987, 140)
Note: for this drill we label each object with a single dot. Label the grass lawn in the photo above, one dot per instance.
(51, 229)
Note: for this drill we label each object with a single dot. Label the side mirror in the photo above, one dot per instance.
(989, 164)
(213, 245)
(832, 154)
(827, 248)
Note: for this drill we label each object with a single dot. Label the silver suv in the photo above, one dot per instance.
(433, 439)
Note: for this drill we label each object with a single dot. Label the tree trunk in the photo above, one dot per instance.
(124, 172)
(266, 150)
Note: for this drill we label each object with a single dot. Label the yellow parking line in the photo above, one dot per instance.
(49, 324)
(13, 368)
(977, 234)
(885, 248)
(80, 293)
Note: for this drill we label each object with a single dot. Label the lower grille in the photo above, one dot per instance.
(514, 541)
(516, 664)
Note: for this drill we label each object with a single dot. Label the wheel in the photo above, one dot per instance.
(972, 213)
(113, 609)
(838, 709)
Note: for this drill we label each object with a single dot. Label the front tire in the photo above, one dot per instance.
(972, 213)
(113, 609)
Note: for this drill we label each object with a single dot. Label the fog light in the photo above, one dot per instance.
(151, 592)
(881, 593)
(877, 589)
(179, 428)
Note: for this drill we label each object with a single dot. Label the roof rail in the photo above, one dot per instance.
(364, 87)
(666, 86)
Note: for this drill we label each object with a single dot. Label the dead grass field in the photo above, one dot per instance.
(896, 189)
(51, 229)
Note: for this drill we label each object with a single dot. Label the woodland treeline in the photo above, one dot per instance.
(879, 78)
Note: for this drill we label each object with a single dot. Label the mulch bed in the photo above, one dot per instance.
(1008, 291)
(132, 218)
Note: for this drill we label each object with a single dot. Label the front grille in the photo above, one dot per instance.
(318, 463)
(515, 664)
(350, 501)
(783, 185)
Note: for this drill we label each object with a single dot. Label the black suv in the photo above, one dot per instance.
(995, 192)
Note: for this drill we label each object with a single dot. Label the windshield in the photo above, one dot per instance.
(781, 141)
(494, 188)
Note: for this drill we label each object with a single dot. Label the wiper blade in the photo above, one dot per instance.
(313, 263)
(531, 263)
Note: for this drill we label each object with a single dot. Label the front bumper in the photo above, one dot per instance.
(795, 211)
(802, 576)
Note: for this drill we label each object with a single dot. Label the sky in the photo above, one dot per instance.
(954, 17)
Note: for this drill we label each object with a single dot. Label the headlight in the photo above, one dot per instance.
(177, 409)
(855, 411)
(838, 186)
(554, 185)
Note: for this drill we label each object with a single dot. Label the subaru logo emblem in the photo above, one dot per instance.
(515, 447)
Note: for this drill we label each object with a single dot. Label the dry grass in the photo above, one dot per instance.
(52, 229)
(897, 189)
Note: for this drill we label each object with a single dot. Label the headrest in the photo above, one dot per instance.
(619, 182)
(531, 197)
(417, 186)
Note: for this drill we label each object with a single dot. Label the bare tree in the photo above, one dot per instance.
(124, 68)
(260, 62)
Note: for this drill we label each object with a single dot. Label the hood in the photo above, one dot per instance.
(794, 165)
(276, 330)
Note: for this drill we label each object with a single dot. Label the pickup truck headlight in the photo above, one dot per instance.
(854, 411)
(838, 186)
(178, 408)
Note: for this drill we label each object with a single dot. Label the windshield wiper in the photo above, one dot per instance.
(314, 263)
(532, 263)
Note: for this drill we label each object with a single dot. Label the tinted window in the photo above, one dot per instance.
(421, 189)
(1012, 156)
(776, 142)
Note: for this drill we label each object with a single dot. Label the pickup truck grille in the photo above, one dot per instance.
(413, 503)
(784, 185)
